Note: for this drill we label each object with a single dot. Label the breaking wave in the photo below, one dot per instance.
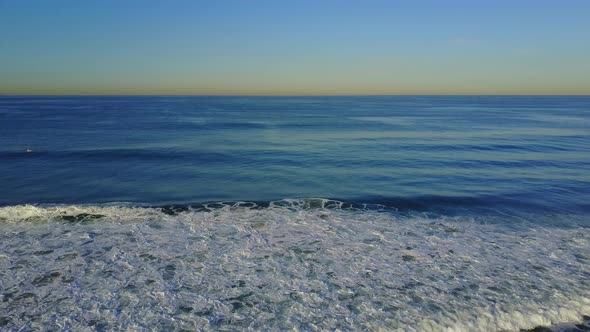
(304, 264)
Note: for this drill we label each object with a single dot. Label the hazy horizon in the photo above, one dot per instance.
(232, 48)
(295, 95)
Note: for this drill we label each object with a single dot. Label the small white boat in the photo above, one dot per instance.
(28, 150)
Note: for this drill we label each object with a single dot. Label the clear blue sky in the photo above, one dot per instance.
(294, 47)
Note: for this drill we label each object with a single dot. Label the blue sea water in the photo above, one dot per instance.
(395, 212)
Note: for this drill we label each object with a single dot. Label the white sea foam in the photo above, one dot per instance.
(296, 264)
(31, 213)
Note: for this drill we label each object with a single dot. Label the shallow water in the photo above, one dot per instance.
(452, 213)
(288, 265)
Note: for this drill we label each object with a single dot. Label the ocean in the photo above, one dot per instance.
(410, 213)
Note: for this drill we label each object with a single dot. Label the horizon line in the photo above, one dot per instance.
(295, 95)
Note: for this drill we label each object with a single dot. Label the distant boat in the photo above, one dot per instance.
(28, 150)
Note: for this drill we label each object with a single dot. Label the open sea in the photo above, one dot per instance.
(409, 213)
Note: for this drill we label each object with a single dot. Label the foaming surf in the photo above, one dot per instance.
(303, 264)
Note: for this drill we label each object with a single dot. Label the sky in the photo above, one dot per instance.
(319, 47)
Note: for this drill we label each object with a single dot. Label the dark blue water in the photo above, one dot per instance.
(462, 213)
(402, 150)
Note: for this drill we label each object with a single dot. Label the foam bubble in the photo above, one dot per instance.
(293, 264)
